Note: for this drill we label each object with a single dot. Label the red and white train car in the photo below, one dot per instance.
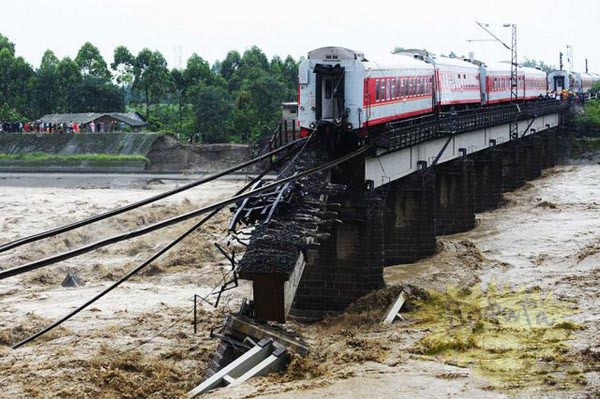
(399, 87)
(497, 83)
(533, 83)
(458, 82)
(339, 86)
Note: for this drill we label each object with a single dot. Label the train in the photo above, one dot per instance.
(577, 82)
(341, 90)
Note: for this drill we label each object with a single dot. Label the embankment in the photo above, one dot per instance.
(113, 152)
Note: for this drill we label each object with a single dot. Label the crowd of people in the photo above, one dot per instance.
(62, 127)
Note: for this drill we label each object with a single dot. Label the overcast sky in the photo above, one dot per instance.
(178, 28)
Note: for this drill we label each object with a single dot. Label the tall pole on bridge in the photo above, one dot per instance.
(514, 78)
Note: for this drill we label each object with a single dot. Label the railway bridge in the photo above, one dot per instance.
(419, 179)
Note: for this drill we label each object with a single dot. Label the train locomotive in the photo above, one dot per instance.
(340, 90)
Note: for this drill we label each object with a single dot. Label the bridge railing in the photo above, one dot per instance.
(407, 133)
(284, 133)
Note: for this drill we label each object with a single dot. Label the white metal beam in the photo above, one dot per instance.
(385, 168)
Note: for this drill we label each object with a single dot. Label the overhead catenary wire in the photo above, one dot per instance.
(133, 271)
(62, 229)
(174, 220)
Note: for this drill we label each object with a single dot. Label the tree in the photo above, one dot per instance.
(152, 78)
(122, 64)
(17, 80)
(197, 71)
(69, 79)
(258, 105)
(92, 63)
(212, 110)
(7, 44)
(538, 64)
(48, 89)
(230, 64)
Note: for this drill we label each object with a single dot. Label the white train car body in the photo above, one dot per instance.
(497, 83)
(339, 86)
(532, 83)
(458, 82)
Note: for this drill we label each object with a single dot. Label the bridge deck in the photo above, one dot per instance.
(410, 143)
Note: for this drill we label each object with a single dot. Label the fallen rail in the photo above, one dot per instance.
(174, 220)
(126, 208)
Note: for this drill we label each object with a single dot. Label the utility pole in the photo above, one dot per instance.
(514, 78)
(560, 61)
(570, 57)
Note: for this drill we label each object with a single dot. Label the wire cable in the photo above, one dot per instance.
(62, 229)
(132, 272)
(174, 220)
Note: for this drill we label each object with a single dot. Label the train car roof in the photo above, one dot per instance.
(497, 67)
(456, 62)
(396, 61)
(532, 71)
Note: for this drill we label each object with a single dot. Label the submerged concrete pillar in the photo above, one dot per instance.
(549, 148)
(487, 179)
(531, 153)
(409, 229)
(348, 265)
(454, 197)
(512, 166)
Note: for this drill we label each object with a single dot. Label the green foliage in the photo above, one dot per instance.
(92, 63)
(591, 116)
(595, 90)
(237, 99)
(538, 64)
(8, 114)
(152, 79)
(213, 109)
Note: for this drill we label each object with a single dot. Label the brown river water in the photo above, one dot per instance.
(537, 256)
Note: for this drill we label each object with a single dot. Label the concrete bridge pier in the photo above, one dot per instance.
(346, 266)
(454, 197)
(487, 181)
(531, 155)
(409, 218)
(549, 148)
(512, 166)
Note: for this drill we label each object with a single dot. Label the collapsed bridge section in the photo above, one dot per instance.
(422, 178)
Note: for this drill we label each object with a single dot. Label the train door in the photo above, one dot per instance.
(559, 83)
(329, 93)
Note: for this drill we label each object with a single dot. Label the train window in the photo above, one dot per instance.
(382, 89)
(411, 86)
(388, 91)
(397, 88)
(403, 87)
(377, 92)
(393, 89)
(328, 88)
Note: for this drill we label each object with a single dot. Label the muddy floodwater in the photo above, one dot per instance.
(508, 309)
